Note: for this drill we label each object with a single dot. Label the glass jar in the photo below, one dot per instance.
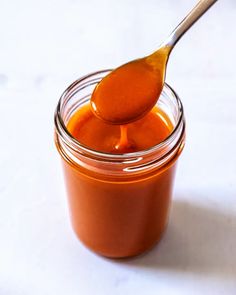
(119, 203)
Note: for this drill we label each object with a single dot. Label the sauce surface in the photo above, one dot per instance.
(139, 135)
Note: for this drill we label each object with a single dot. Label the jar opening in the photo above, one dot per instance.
(62, 116)
(78, 94)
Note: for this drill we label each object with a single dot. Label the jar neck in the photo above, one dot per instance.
(84, 158)
(126, 164)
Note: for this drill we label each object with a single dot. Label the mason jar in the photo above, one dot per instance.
(119, 203)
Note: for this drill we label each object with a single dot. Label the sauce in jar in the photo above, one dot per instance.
(119, 197)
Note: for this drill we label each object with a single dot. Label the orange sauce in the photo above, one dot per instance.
(130, 91)
(121, 215)
(112, 216)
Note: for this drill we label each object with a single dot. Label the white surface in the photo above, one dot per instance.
(45, 45)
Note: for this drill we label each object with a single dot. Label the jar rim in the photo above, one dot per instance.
(77, 146)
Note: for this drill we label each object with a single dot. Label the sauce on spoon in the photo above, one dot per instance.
(130, 91)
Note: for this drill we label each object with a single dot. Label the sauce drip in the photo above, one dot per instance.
(124, 145)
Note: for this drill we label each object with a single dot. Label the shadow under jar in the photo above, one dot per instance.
(119, 203)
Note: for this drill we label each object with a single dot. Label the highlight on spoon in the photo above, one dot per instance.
(128, 92)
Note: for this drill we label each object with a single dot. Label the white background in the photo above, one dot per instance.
(44, 46)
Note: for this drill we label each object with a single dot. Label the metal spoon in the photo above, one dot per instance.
(131, 90)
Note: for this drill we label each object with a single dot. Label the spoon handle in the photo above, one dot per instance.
(187, 22)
